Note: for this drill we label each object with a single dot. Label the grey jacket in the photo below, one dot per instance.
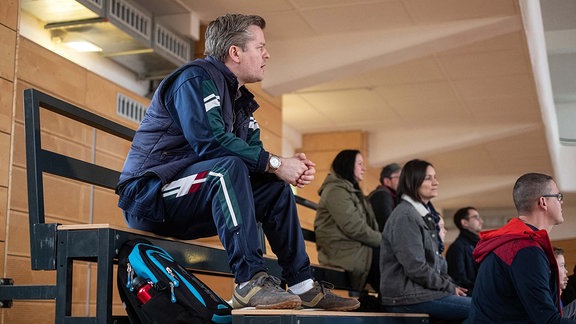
(411, 267)
(346, 229)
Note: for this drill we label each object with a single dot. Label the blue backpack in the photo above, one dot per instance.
(156, 289)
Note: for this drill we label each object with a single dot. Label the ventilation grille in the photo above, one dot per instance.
(136, 20)
(172, 43)
(129, 108)
(97, 3)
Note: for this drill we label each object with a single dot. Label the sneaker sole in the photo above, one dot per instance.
(339, 309)
(290, 304)
(347, 308)
(282, 305)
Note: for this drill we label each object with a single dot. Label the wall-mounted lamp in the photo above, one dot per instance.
(73, 41)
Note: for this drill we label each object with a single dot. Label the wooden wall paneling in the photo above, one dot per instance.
(322, 148)
(101, 95)
(261, 94)
(66, 136)
(51, 73)
(19, 99)
(67, 201)
(18, 268)
(334, 141)
(3, 218)
(6, 100)
(9, 14)
(117, 308)
(4, 158)
(84, 287)
(19, 230)
(269, 117)
(2, 256)
(8, 52)
(26, 312)
(272, 142)
(19, 146)
(111, 151)
(3, 221)
(18, 192)
(371, 179)
(106, 210)
(323, 159)
(199, 44)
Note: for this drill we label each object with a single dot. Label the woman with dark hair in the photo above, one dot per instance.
(413, 271)
(345, 225)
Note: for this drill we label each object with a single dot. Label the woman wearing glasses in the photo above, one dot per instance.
(413, 274)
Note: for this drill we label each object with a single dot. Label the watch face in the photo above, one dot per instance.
(275, 162)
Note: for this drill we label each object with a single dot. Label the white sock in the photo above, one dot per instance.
(302, 287)
(242, 284)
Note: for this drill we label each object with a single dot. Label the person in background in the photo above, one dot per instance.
(518, 275)
(384, 198)
(443, 230)
(414, 277)
(442, 235)
(461, 265)
(568, 310)
(345, 227)
(569, 294)
(197, 167)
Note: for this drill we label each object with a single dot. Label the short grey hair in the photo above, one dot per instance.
(528, 189)
(230, 30)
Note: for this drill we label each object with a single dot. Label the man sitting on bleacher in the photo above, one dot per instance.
(197, 168)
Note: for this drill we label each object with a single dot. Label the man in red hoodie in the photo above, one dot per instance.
(518, 278)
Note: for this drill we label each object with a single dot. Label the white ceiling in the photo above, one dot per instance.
(462, 84)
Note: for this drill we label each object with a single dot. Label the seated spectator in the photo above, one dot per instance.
(384, 197)
(345, 226)
(569, 294)
(197, 167)
(518, 276)
(569, 310)
(461, 265)
(414, 277)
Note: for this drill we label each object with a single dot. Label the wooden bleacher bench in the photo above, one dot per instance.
(56, 247)
(320, 316)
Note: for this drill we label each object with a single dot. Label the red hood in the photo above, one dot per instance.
(514, 230)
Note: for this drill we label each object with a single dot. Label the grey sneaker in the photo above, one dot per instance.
(320, 296)
(264, 291)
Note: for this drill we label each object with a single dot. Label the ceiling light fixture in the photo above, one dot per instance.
(82, 46)
(73, 41)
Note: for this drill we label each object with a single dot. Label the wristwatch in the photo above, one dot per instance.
(274, 163)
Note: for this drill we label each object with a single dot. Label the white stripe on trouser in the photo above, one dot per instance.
(182, 187)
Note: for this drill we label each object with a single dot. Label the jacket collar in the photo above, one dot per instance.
(422, 210)
(243, 97)
(469, 236)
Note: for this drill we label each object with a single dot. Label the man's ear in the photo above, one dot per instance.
(234, 54)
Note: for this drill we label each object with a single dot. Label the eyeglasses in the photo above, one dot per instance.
(475, 216)
(558, 196)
